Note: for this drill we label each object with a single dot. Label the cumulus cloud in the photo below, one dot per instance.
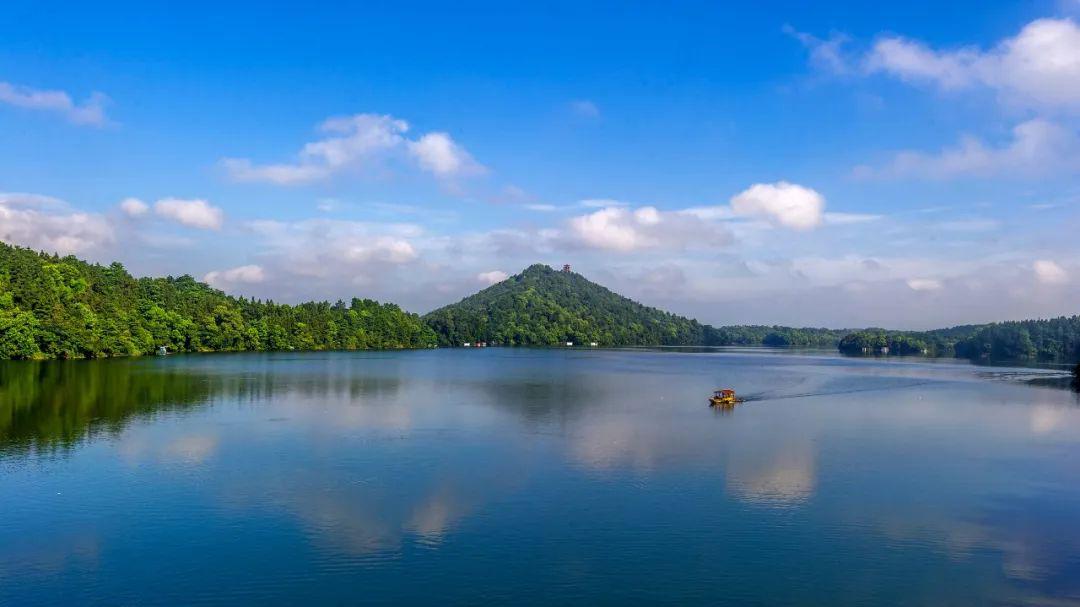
(622, 229)
(438, 154)
(45, 223)
(359, 143)
(333, 249)
(1050, 273)
(492, 277)
(1039, 67)
(249, 274)
(90, 112)
(783, 204)
(1037, 147)
(133, 207)
(195, 213)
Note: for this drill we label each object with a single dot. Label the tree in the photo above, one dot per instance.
(52, 307)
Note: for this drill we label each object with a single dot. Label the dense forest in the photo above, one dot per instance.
(543, 307)
(879, 341)
(1049, 340)
(777, 336)
(61, 307)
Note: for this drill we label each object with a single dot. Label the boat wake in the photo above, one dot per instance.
(771, 394)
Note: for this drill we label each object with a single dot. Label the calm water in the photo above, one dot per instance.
(537, 477)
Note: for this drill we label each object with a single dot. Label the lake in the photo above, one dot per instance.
(533, 476)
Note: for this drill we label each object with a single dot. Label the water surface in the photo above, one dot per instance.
(535, 476)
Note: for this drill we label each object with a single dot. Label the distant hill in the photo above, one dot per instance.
(1046, 340)
(541, 306)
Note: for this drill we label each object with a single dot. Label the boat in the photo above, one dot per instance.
(724, 398)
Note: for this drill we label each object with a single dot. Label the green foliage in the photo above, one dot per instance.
(878, 341)
(1056, 339)
(759, 335)
(543, 307)
(1053, 340)
(61, 307)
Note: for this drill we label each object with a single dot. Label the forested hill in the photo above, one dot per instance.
(1048, 340)
(541, 306)
(61, 307)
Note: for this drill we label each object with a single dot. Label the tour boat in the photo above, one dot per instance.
(723, 398)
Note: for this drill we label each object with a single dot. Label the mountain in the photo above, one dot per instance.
(61, 307)
(541, 306)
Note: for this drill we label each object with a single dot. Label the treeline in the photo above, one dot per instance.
(61, 307)
(1055, 339)
(777, 336)
(879, 341)
(1049, 340)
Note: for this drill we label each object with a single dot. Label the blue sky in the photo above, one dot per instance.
(907, 165)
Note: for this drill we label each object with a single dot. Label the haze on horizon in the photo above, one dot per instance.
(844, 165)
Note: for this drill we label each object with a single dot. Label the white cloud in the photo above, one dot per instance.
(585, 108)
(241, 169)
(324, 248)
(438, 154)
(196, 213)
(90, 112)
(1037, 147)
(710, 213)
(912, 60)
(133, 207)
(924, 284)
(1049, 272)
(827, 55)
(45, 223)
(249, 274)
(840, 219)
(360, 143)
(611, 228)
(782, 203)
(625, 230)
(492, 277)
(1039, 67)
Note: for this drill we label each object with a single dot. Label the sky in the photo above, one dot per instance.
(843, 164)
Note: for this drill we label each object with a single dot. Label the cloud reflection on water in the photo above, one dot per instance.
(367, 458)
